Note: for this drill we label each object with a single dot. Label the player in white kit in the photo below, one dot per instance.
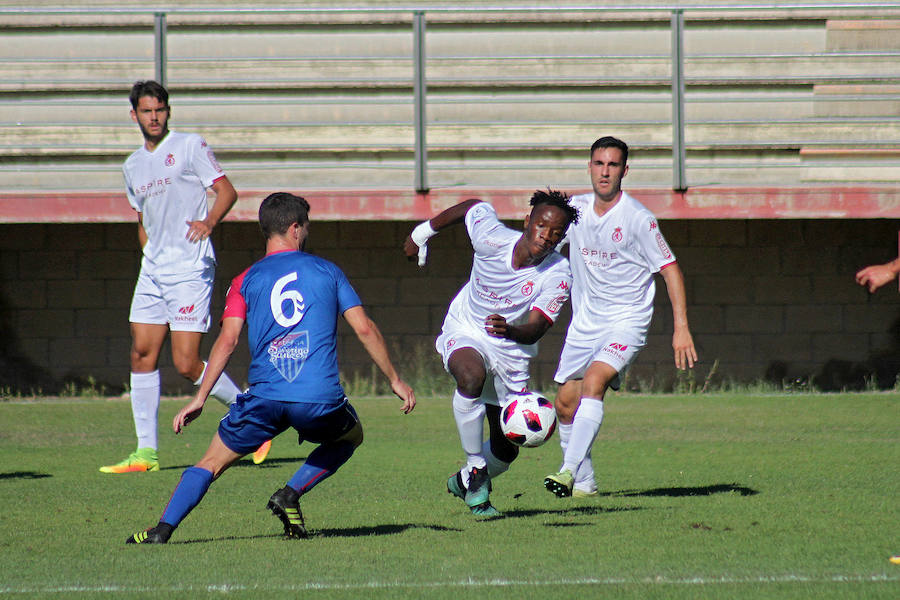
(516, 289)
(166, 182)
(614, 251)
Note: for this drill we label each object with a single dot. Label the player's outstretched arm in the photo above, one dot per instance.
(875, 276)
(226, 196)
(415, 243)
(682, 341)
(218, 360)
(372, 340)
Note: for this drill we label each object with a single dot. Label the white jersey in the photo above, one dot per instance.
(168, 186)
(613, 259)
(494, 287)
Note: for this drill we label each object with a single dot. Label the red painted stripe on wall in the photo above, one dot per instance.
(402, 205)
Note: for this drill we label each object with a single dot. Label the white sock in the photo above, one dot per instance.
(565, 432)
(585, 427)
(584, 476)
(495, 466)
(145, 407)
(224, 390)
(469, 414)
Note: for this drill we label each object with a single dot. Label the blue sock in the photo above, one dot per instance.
(188, 493)
(320, 465)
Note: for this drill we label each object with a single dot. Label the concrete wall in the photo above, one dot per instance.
(767, 299)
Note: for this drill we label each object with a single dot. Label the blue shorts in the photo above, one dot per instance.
(251, 421)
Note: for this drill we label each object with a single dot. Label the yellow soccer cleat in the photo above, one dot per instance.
(141, 460)
(560, 483)
(262, 452)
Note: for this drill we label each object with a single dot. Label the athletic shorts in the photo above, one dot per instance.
(618, 349)
(251, 421)
(183, 305)
(507, 372)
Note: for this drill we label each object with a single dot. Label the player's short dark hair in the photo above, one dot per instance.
(611, 142)
(557, 199)
(148, 88)
(281, 210)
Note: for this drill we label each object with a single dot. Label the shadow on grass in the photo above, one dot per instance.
(24, 475)
(570, 511)
(680, 492)
(338, 532)
(269, 463)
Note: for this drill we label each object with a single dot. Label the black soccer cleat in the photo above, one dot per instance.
(285, 504)
(155, 535)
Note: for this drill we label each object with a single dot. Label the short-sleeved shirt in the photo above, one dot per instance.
(613, 259)
(291, 302)
(494, 286)
(168, 187)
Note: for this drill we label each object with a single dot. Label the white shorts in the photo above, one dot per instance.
(183, 305)
(617, 349)
(507, 373)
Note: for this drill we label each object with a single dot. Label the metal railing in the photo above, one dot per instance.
(677, 76)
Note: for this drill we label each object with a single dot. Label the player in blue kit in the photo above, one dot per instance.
(290, 301)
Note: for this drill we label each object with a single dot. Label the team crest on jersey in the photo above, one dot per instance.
(288, 354)
(170, 160)
(527, 288)
(617, 235)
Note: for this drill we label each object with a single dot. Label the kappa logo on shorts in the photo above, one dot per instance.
(186, 310)
(288, 354)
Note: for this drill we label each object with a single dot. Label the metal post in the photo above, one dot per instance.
(679, 178)
(159, 39)
(421, 152)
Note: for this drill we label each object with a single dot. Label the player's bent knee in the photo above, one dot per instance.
(354, 436)
(503, 449)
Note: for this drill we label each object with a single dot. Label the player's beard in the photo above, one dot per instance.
(154, 139)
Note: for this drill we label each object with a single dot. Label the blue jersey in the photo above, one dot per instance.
(291, 302)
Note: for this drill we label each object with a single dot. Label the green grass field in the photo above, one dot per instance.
(703, 496)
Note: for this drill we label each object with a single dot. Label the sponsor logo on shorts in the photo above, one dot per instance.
(288, 354)
(186, 315)
(616, 350)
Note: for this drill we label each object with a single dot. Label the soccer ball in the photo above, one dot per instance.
(528, 420)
